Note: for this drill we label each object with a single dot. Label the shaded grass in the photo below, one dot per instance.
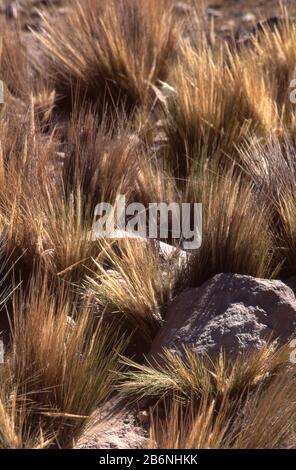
(237, 235)
(156, 115)
(271, 166)
(61, 360)
(133, 281)
(117, 53)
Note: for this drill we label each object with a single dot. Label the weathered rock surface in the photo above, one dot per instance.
(113, 430)
(230, 311)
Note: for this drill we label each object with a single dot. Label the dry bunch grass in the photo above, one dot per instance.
(271, 167)
(217, 404)
(133, 281)
(271, 408)
(208, 113)
(223, 97)
(97, 156)
(237, 235)
(117, 53)
(191, 377)
(159, 114)
(61, 359)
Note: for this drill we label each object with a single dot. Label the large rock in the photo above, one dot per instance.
(230, 311)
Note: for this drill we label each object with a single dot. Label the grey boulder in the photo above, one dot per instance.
(231, 312)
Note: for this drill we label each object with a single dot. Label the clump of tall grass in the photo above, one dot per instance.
(192, 377)
(47, 209)
(238, 425)
(275, 56)
(270, 165)
(42, 224)
(222, 97)
(133, 281)
(117, 55)
(61, 359)
(236, 233)
(208, 113)
(97, 157)
(218, 403)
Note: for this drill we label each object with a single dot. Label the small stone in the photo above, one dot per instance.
(249, 18)
(12, 10)
(213, 13)
(143, 417)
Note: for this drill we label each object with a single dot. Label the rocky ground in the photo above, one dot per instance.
(258, 308)
(231, 17)
(239, 16)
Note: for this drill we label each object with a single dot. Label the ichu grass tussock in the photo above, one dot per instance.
(139, 98)
(118, 54)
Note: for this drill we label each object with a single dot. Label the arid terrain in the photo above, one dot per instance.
(111, 339)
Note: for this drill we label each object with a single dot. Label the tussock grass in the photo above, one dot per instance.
(271, 166)
(278, 68)
(132, 97)
(223, 97)
(62, 359)
(271, 408)
(117, 54)
(46, 210)
(237, 235)
(208, 113)
(133, 281)
(216, 404)
(191, 377)
(44, 226)
(97, 157)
